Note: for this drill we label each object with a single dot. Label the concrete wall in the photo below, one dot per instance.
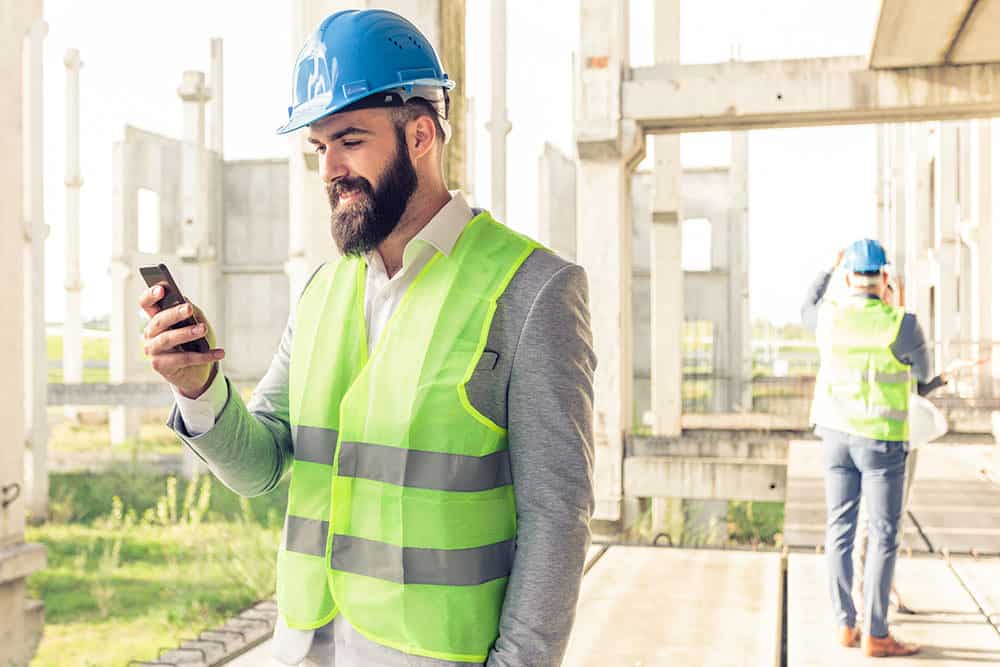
(254, 249)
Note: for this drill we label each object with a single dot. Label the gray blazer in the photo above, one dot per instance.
(536, 379)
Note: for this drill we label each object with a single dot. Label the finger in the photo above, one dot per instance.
(149, 299)
(171, 338)
(169, 363)
(165, 319)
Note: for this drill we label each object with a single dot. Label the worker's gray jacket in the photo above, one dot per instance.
(909, 348)
(536, 379)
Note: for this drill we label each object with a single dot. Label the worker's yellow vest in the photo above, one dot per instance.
(401, 511)
(861, 388)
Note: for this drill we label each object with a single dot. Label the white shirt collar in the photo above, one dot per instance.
(441, 232)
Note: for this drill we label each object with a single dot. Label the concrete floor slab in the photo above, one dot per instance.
(948, 624)
(259, 656)
(982, 578)
(646, 606)
(955, 505)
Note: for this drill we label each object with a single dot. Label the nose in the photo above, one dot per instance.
(331, 167)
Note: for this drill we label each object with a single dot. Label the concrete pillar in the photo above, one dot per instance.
(19, 629)
(739, 355)
(498, 125)
(451, 16)
(125, 354)
(982, 269)
(557, 202)
(36, 359)
(608, 149)
(215, 104)
(72, 361)
(897, 194)
(946, 243)
(919, 220)
(199, 230)
(666, 274)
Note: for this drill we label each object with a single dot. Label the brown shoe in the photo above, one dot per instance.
(886, 647)
(849, 637)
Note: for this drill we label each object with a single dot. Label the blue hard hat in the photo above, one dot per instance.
(865, 256)
(354, 54)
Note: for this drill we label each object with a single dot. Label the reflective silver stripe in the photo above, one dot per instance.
(315, 444)
(857, 409)
(306, 536)
(893, 378)
(889, 413)
(846, 376)
(409, 565)
(424, 470)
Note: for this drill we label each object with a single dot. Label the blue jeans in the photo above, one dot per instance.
(875, 469)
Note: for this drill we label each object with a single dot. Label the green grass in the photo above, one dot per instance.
(127, 578)
(94, 349)
(756, 523)
(154, 438)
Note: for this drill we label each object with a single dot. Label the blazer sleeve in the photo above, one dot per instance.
(550, 433)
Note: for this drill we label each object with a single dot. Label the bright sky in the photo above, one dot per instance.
(811, 190)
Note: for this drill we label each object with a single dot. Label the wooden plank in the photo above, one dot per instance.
(648, 606)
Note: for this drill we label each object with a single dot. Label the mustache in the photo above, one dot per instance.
(346, 186)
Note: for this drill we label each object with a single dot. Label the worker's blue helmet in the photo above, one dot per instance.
(865, 256)
(356, 53)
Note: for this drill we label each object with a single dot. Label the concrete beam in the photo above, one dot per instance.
(917, 32)
(704, 478)
(130, 394)
(789, 93)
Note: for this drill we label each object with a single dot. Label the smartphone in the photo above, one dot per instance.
(160, 275)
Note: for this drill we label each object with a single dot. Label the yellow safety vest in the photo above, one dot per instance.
(401, 509)
(861, 388)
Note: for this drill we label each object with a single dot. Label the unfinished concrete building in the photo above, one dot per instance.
(923, 66)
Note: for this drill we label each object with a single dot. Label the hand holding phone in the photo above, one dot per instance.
(178, 338)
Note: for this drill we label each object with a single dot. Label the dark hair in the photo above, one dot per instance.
(414, 108)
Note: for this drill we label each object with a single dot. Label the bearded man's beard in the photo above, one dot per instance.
(361, 224)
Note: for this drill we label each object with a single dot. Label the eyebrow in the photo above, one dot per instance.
(342, 133)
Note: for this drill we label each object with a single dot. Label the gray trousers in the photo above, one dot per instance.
(876, 470)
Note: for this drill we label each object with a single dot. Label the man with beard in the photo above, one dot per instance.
(431, 396)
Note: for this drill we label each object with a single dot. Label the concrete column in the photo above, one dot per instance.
(607, 150)
(882, 169)
(982, 269)
(36, 359)
(739, 362)
(125, 353)
(498, 125)
(666, 274)
(19, 629)
(946, 242)
(72, 361)
(919, 237)
(557, 202)
(451, 17)
(199, 231)
(897, 194)
(215, 105)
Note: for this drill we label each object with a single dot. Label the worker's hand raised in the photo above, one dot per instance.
(190, 372)
(837, 262)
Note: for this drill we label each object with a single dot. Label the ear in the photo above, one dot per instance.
(421, 135)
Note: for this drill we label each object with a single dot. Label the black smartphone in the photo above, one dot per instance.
(160, 275)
